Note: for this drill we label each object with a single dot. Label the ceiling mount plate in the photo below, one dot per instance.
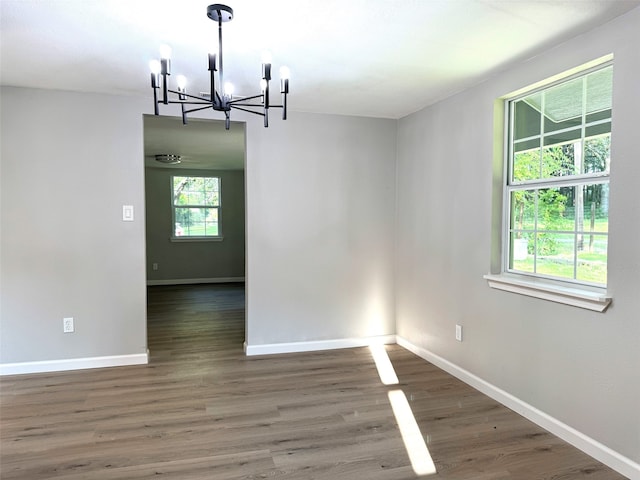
(219, 12)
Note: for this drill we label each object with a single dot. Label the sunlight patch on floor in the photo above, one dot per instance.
(413, 441)
(385, 369)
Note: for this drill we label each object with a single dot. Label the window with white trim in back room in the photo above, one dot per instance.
(196, 207)
(556, 187)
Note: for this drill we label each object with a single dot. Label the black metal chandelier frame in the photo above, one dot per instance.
(221, 102)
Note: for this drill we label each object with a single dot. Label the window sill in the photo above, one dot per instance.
(195, 239)
(583, 297)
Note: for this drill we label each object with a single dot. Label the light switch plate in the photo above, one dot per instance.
(127, 213)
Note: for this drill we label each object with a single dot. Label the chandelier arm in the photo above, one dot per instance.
(244, 99)
(198, 109)
(257, 105)
(180, 102)
(196, 97)
(247, 110)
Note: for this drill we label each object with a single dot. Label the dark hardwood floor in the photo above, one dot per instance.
(203, 410)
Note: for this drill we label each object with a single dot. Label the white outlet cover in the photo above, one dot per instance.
(67, 325)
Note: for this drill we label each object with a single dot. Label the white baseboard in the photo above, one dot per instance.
(274, 348)
(73, 364)
(191, 281)
(591, 447)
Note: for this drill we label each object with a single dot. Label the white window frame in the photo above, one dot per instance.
(562, 290)
(196, 238)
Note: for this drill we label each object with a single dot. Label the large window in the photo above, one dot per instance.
(196, 206)
(557, 188)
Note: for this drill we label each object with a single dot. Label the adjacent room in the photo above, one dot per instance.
(402, 244)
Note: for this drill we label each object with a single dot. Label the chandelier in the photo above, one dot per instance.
(220, 97)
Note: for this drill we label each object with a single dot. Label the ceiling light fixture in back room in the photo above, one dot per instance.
(169, 159)
(224, 100)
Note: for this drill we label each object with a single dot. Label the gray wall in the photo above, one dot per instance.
(320, 210)
(69, 163)
(194, 260)
(580, 367)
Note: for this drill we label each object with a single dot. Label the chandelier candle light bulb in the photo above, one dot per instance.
(284, 89)
(165, 52)
(181, 80)
(228, 90)
(155, 67)
(266, 77)
(223, 101)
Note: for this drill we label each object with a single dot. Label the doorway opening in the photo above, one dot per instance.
(194, 270)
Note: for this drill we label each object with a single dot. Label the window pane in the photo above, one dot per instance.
(527, 117)
(211, 222)
(560, 160)
(521, 257)
(592, 260)
(526, 165)
(196, 191)
(179, 183)
(597, 154)
(598, 129)
(193, 198)
(563, 137)
(555, 254)
(563, 105)
(196, 221)
(595, 208)
(599, 88)
(603, 115)
(211, 191)
(552, 203)
(523, 145)
(523, 210)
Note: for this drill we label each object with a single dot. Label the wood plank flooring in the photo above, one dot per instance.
(203, 410)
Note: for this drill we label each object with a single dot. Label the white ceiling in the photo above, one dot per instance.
(381, 58)
(203, 144)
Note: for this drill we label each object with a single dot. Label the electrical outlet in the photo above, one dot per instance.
(67, 325)
(155, 266)
(459, 333)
